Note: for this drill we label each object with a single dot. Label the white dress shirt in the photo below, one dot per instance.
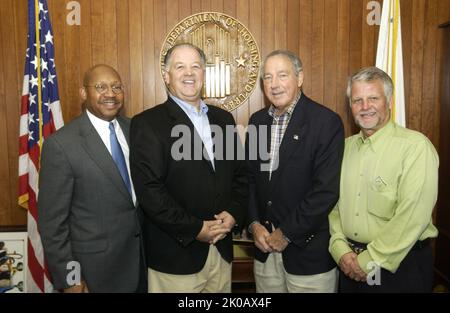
(102, 128)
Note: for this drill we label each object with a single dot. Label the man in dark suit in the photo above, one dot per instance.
(292, 195)
(191, 196)
(87, 205)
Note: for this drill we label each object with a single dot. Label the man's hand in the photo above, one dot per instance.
(357, 273)
(276, 241)
(81, 288)
(210, 230)
(227, 223)
(345, 263)
(260, 235)
(350, 267)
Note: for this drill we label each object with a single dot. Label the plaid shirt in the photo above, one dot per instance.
(279, 126)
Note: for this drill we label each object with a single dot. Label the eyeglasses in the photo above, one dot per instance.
(102, 88)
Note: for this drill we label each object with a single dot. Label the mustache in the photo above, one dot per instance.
(109, 99)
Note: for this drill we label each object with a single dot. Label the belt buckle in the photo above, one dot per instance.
(356, 249)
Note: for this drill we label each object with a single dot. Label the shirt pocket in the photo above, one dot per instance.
(381, 199)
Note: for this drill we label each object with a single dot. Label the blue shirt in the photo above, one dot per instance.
(201, 123)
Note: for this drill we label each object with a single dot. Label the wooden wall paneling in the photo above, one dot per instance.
(355, 36)
(123, 51)
(172, 17)
(9, 108)
(241, 12)
(293, 24)
(97, 32)
(443, 16)
(135, 21)
(216, 5)
(429, 105)
(72, 69)
(256, 101)
(444, 11)
(18, 214)
(13, 95)
(57, 10)
(280, 24)
(20, 32)
(148, 59)
(305, 43)
(268, 26)
(355, 44)
(415, 92)
(159, 19)
(442, 253)
(317, 65)
(330, 78)
(84, 46)
(368, 50)
(230, 8)
(196, 6)
(14, 73)
(5, 183)
(110, 19)
(406, 16)
(184, 9)
(171, 20)
(342, 55)
(206, 5)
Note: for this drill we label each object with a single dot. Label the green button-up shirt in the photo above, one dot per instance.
(388, 190)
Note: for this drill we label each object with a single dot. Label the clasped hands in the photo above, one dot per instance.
(215, 230)
(350, 267)
(268, 242)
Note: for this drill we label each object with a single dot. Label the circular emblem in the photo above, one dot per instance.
(232, 56)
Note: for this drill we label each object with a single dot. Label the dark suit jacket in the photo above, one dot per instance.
(85, 212)
(176, 196)
(304, 188)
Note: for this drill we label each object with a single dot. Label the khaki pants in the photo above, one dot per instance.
(272, 277)
(214, 277)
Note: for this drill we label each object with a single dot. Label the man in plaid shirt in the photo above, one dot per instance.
(292, 193)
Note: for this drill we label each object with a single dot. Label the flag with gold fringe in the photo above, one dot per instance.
(390, 56)
(40, 116)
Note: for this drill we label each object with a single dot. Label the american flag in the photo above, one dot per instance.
(40, 116)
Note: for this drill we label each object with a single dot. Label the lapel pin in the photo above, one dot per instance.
(295, 137)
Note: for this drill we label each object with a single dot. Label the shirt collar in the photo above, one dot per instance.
(98, 122)
(189, 108)
(290, 109)
(377, 139)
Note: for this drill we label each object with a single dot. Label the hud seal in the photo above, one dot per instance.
(232, 56)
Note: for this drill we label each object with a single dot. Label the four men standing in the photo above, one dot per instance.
(194, 188)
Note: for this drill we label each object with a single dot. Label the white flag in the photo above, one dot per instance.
(390, 56)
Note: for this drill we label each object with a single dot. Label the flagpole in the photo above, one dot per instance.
(394, 60)
(38, 56)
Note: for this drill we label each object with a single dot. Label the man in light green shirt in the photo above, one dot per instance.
(381, 226)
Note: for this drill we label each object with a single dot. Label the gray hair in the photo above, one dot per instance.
(178, 45)
(295, 60)
(369, 74)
